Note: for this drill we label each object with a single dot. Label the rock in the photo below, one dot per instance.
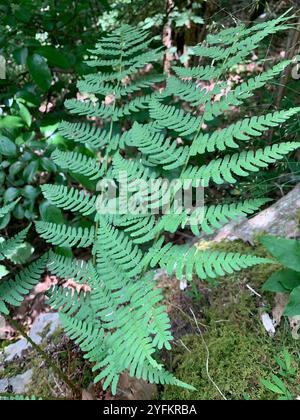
(15, 350)
(281, 219)
(295, 327)
(4, 385)
(17, 384)
(43, 327)
(135, 389)
(45, 321)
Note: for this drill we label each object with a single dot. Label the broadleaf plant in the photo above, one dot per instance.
(144, 134)
(287, 280)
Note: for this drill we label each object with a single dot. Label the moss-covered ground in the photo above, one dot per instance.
(241, 352)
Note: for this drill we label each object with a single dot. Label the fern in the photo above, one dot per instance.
(221, 170)
(10, 245)
(13, 291)
(173, 118)
(20, 398)
(70, 199)
(243, 131)
(78, 163)
(120, 321)
(68, 236)
(212, 218)
(7, 209)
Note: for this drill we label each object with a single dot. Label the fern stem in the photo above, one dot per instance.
(75, 389)
(107, 155)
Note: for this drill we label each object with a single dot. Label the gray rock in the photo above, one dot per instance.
(3, 385)
(281, 219)
(17, 384)
(43, 327)
(45, 321)
(20, 383)
(15, 350)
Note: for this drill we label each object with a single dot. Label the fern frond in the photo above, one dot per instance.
(139, 228)
(241, 48)
(221, 170)
(116, 246)
(84, 133)
(132, 64)
(10, 245)
(78, 163)
(70, 199)
(133, 169)
(216, 216)
(20, 398)
(211, 218)
(125, 40)
(134, 347)
(173, 118)
(242, 92)
(188, 91)
(158, 150)
(65, 236)
(187, 261)
(12, 291)
(242, 130)
(87, 335)
(69, 302)
(204, 73)
(7, 209)
(92, 109)
(69, 268)
(94, 84)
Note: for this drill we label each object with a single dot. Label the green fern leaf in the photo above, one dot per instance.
(78, 163)
(12, 291)
(4, 211)
(10, 245)
(69, 268)
(158, 150)
(174, 118)
(241, 164)
(184, 260)
(65, 236)
(70, 199)
(242, 130)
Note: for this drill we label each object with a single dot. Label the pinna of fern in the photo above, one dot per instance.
(120, 321)
(13, 289)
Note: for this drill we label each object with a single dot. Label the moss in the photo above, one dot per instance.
(238, 360)
(11, 370)
(298, 217)
(241, 352)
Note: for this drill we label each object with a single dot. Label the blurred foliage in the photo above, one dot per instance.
(44, 44)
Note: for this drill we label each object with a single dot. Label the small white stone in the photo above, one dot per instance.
(268, 324)
(183, 285)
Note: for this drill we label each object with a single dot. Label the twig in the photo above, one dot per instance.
(253, 291)
(182, 343)
(207, 358)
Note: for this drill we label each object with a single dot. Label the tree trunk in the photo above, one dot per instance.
(291, 49)
(167, 37)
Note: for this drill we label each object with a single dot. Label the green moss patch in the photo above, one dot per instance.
(241, 352)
